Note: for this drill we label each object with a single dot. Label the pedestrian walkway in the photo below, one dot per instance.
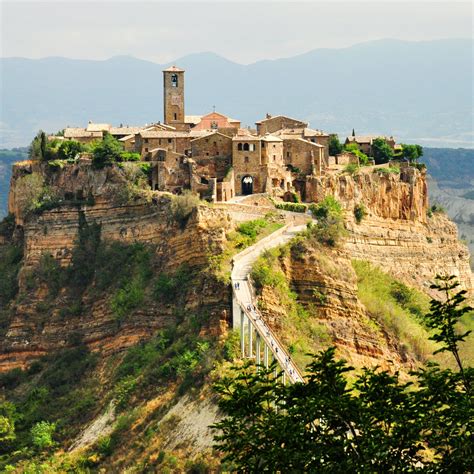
(255, 334)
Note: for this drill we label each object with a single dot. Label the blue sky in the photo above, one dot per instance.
(241, 31)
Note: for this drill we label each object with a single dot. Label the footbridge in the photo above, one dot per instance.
(257, 339)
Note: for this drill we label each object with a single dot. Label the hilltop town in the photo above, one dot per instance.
(213, 156)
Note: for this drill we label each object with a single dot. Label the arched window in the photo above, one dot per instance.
(174, 80)
(239, 147)
(246, 147)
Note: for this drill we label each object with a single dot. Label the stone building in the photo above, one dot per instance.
(365, 142)
(212, 155)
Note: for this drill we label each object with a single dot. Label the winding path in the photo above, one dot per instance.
(248, 319)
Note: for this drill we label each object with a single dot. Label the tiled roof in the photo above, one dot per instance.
(367, 138)
(173, 69)
(195, 119)
(309, 132)
(72, 132)
(279, 116)
(125, 130)
(210, 134)
(98, 127)
(271, 138)
(163, 134)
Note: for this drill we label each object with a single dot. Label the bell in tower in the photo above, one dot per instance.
(173, 96)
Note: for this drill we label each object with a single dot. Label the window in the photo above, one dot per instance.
(246, 147)
(288, 154)
(274, 145)
(146, 140)
(170, 140)
(246, 159)
(239, 147)
(263, 144)
(274, 157)
(174, 80)
(146, 149)
(175, 116)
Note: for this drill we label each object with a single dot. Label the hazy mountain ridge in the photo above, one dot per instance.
(419, 91)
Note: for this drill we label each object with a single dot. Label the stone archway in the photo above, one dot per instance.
(247, 185)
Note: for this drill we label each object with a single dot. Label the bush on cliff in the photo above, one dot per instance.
(183, 205)
(329, 226)
(107, 152)
(381, 151)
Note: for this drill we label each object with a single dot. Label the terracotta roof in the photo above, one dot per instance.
(279, 116)
(126, 138)
(124, 130)
(71, 132)
(210, 134)
(367, 138)
(195, 119)
(309, 132)
(317, 145)
(271, 138)
(98, 127)
(248, 138)
(173, 69)
(163, 134)
(199, 133)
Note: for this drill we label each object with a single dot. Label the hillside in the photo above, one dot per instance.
(417, 91)
(116, 313)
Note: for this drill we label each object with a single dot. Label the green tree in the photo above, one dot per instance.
(7, 422)
(354, 149)
(381, 151)
(68, 149)
(42, 434)
(412, 152)
(335, 146)
(106, 152)
(376, 423)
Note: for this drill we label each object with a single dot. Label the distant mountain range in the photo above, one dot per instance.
(418, 91)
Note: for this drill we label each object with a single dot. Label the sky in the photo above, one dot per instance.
(244, 31)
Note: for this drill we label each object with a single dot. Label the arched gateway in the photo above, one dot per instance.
(247, 185)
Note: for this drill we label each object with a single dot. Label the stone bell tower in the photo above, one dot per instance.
(173, 96)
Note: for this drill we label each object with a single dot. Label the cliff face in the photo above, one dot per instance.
(398, 233)
(36, 322)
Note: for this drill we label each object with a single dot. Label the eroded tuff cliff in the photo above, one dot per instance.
(36, 322)
(398, 232)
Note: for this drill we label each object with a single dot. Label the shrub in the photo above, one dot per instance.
(335, 146)
(387, 171)
(49, 272)
(42, 434)
(351, 168)
(329, 227)
(252, 228)
(291, 206)
(7, 226)
(106, 152)
(183, 205)
(130, 156)
(168, 287)
(354, 149)
(68, 149)
(10, 263)
(381, 151)
(328, 207)
(359, 213)
(127, 299)
(437, 209)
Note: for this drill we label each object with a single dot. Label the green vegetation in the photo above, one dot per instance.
(412, 153)
(359, 212)
(329, 228)
(351, 168)
(11, 256)
(33, 195)
(354, 149)
(291, 206)
(169, 287)
(245, 235)
(183, 205)
(335, 146)
(387, 171)
(344, 422)
(381, 151)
